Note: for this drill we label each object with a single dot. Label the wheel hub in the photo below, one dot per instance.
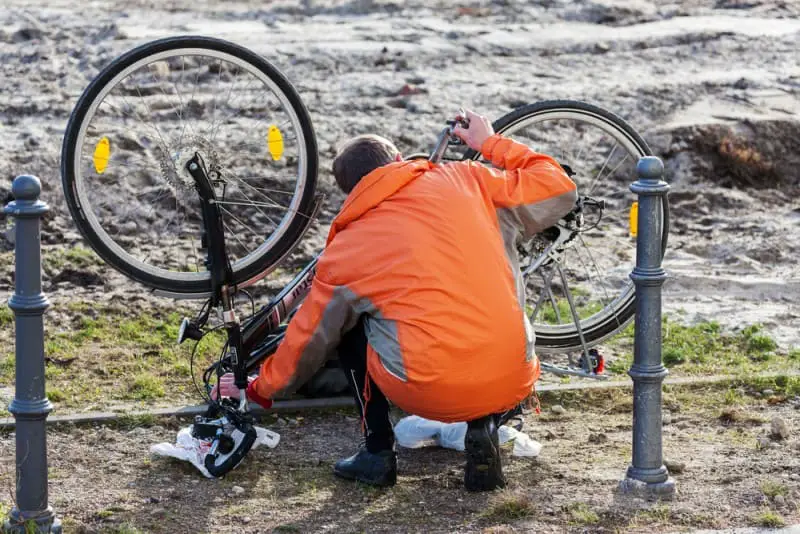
(173, 163)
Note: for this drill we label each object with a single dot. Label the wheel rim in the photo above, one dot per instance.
(604, 289)
(161, 145)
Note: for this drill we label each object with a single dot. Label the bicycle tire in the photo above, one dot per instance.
(182, 283)
(565, 339)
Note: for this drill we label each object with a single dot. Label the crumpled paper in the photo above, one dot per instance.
(194, 450)
(413, 432)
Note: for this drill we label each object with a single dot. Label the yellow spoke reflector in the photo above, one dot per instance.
(101, 154)
(275, 142)
(633, 219)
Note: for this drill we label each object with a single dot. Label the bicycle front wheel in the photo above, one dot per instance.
(601, 151)
(138, 123)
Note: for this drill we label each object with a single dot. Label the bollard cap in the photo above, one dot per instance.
(650, 168)
(26, 187)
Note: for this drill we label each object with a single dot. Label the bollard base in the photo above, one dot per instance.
(45, 523)
(653, 490)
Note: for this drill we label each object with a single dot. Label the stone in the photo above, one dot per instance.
(410, 89)
(666, 418)
(558, 409)
(779, 430)
(598, 438)
(246, 520)
(779, 500)
(237, 490)
(768, 392)
(662, 490)
(675, 467)
(602, 47)
(763, 442)
(549, 434)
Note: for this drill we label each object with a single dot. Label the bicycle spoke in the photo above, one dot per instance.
(605, 163)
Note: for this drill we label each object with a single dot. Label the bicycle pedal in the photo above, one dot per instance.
(204, 431)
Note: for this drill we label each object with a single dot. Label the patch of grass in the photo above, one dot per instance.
(733, 397)
(125, 528)
(7, 366)
(561, 314)
(620, 364)
(55, 395)
(757, 342)
(77, 257)
(146, 387)
(782, 385)
(658, 514)
(6, 315)
(794, 354)
(509, 506)
(671, 357)
(581, 514)
(704, 348)
(128, 421)
(769, 518)
(773, 488)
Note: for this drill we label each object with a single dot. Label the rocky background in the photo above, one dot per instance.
(712, 85)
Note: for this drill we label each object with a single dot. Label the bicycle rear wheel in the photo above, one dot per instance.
(141, 119)
(601, 150)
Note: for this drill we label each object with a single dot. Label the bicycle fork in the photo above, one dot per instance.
(219, 267)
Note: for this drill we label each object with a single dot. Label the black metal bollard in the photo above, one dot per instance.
(647, 472)
(30, 406)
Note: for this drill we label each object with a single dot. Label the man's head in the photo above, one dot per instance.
(359, 157)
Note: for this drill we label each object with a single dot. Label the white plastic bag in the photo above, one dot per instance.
(413, 432)
(194, 450)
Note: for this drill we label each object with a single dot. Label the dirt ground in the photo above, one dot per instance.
(728, 473)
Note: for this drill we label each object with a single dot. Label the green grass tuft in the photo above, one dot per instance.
(147, 387)
(769, 518)
(6, 316)
(772, 488)
(509, 506)
(581, 514)
(55, 395)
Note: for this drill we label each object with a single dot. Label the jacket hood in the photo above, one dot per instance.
(376, 187)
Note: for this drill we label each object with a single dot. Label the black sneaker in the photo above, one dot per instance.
(484, 471)
(376, 469)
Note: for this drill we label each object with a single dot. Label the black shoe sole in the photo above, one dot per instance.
(385, 482)
(483, 471)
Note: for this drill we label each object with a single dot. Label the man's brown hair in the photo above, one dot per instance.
(359, 157)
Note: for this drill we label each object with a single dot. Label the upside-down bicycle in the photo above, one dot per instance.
(190, 165)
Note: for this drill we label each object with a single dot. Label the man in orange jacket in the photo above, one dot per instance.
(416, 294)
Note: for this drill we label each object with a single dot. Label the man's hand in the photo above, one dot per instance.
(227, 387)
(480, 129)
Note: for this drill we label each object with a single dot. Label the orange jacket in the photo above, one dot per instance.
(417, 248)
